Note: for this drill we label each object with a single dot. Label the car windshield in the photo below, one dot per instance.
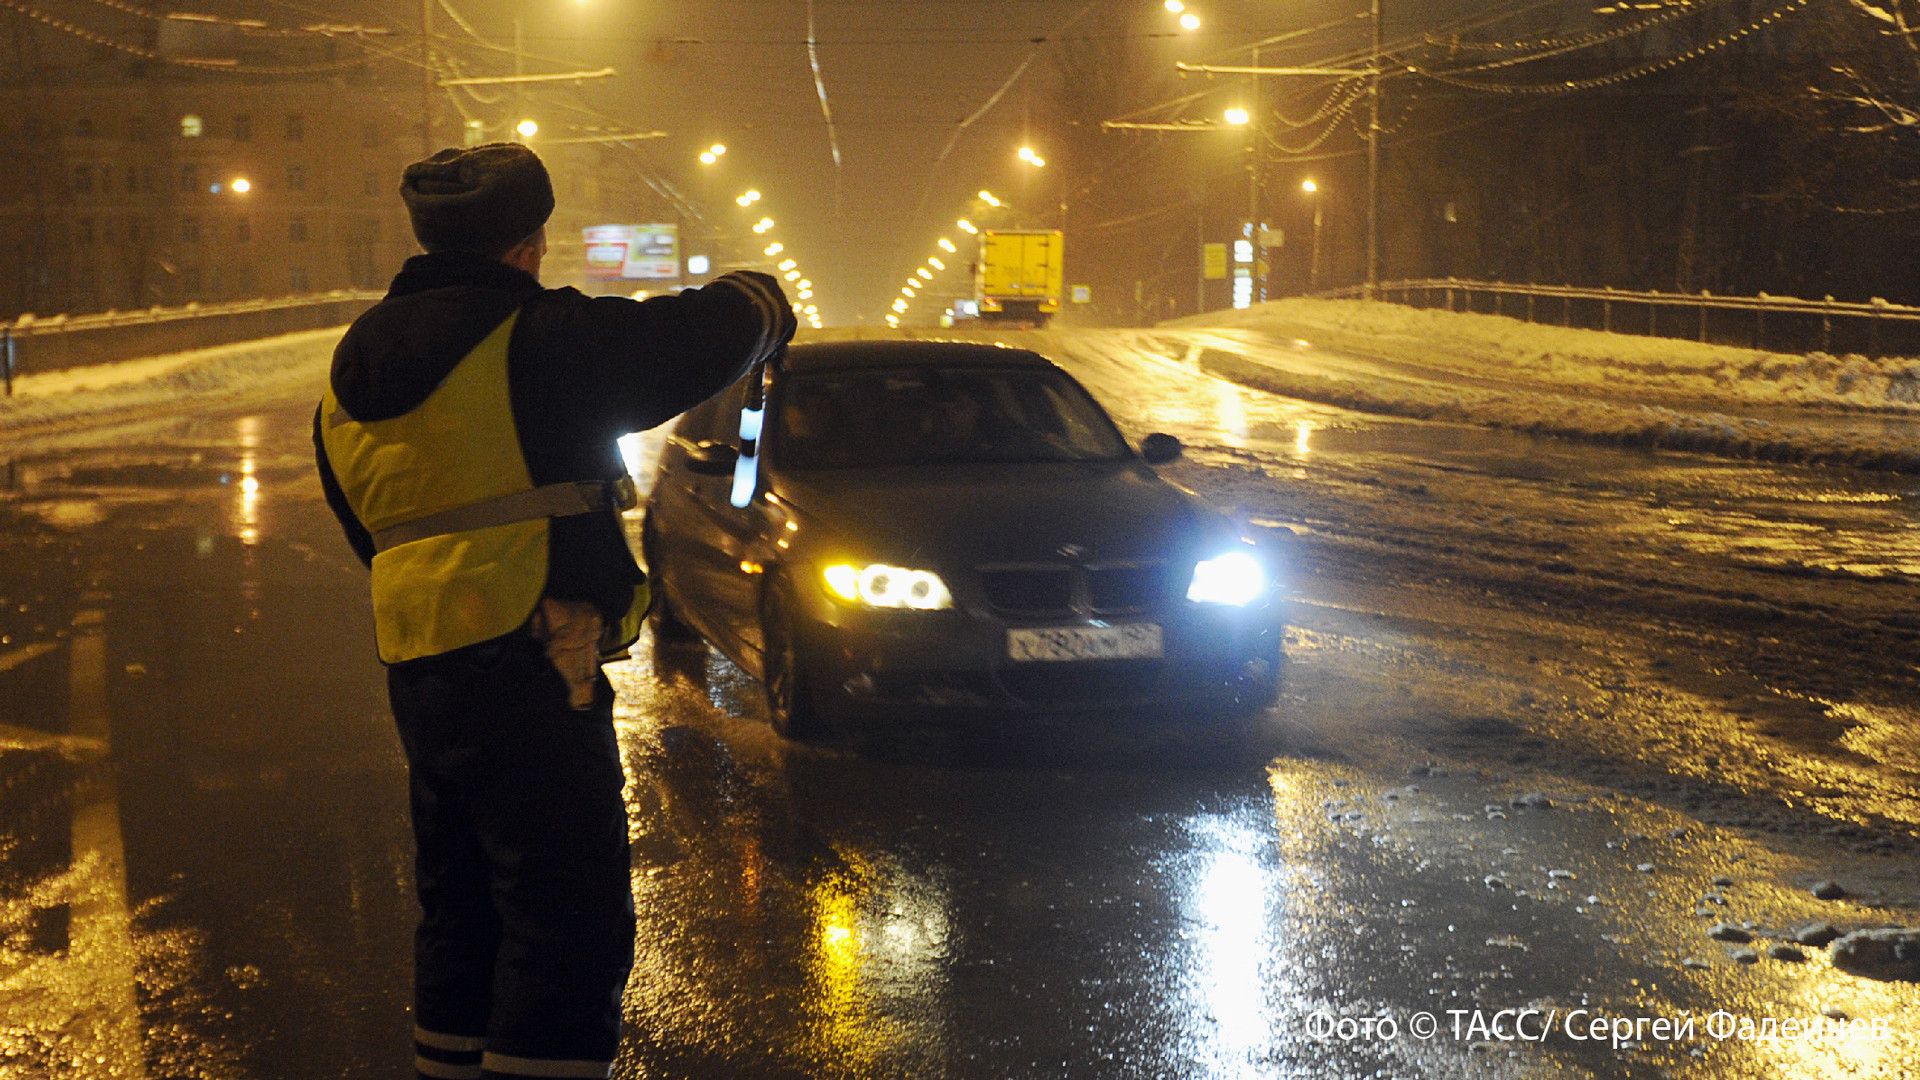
(926, 416)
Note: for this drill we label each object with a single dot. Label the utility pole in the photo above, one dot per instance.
(1373, 162)
(1258, 292)
(1372, 73)
(426, 78)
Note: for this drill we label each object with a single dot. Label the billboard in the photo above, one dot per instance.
(633, 252)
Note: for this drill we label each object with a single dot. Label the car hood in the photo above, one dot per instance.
(968, 515)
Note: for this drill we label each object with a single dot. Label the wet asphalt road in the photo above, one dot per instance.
(1700, 666)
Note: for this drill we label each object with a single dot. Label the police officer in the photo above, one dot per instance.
(466, 442)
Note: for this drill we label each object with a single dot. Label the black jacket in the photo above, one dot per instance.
(582, 371)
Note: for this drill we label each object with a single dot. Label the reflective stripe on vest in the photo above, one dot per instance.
(459, 448)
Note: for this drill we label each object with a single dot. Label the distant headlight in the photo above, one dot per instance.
(1235, 578)
(879, 585)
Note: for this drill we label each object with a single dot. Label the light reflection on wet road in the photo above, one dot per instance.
(1072, 903)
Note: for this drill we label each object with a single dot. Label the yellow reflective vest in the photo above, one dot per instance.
(460, 529)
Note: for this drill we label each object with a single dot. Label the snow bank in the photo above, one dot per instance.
(285, 366)
(1556, 356)
(1614, 388)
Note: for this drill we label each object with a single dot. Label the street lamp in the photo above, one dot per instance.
(240, 186)
(1189, 21)
(1237, 116)
(527, 129)
(749, 198)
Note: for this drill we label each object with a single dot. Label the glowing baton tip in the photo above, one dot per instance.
(746, 476)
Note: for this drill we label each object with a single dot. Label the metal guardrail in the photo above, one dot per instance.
(32, 344)
(1773, 323)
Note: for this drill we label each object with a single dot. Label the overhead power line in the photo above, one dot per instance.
(197, 63)
(1614, 78)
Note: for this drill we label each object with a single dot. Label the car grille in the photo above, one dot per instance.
(1063, 590)
(1029, 590)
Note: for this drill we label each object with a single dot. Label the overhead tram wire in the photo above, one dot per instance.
(1636, 71)
(1345, 58)
(235, 68)
(820, 86)
(1591, 41)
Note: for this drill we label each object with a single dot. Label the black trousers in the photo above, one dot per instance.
(527, 922)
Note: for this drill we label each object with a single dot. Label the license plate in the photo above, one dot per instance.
(1133, 641)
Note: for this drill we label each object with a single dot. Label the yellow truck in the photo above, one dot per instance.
(1018, 278)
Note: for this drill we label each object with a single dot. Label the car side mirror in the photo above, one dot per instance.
(711, 459)
(1159, 448)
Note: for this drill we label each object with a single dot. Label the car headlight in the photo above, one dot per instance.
(879, 585)
(1235, 578)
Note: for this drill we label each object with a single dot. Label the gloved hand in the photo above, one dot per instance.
(786, 323)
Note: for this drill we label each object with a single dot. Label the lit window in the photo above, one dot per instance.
(191, 127)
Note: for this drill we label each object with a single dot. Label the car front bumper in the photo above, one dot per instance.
(912, 663)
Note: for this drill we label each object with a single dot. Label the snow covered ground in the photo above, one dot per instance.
(1613, 388)
(288, 365)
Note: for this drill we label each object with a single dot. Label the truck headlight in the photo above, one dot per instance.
(879, 585)
(1235, 578)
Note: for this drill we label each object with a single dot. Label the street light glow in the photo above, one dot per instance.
(1176, 6)
(1309, 186)
(1189, 21)
(987, 197)
(936, 264)
(775, 249)
(749, 198)
(804, 284)
(708, 157)
(241, 185)
(763, 225)
(527, 129)
(1237, 116)
(966, 226)
(716, 149)
(925, 273)
(793, 275)
(788, 264)
(947, 245)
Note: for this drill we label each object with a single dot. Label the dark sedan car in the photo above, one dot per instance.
(951, 529)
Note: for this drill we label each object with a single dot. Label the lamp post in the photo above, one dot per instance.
(1372, 73)
(1313, 262)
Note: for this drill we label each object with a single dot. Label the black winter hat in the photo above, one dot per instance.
(483, 199)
